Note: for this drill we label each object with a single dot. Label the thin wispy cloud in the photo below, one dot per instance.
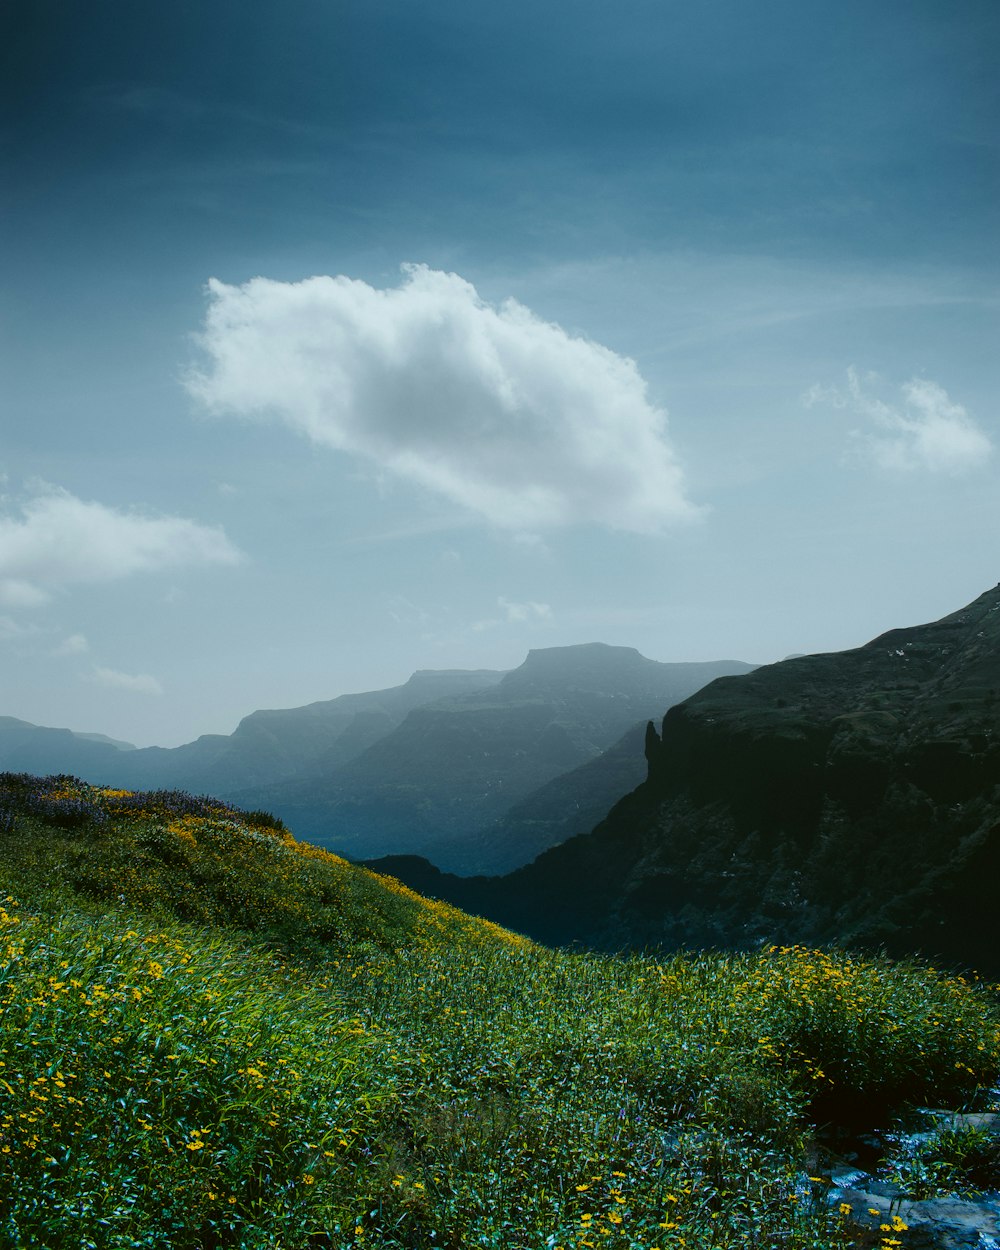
(75, 644)
(17, 593)
(923, 430)
(59, 540)
(490, 407)
(405, 612)
(11, 629)
(514, 613)
(134, 683)
(529, 611)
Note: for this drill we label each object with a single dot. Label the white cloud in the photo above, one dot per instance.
(60, 540)
(530, 611)
(16, 593)
(9, 628)
(75, 644)
(927, 430)
(516, 614)
(490, 407)
(137, 683)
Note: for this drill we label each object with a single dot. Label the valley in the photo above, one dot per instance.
(851, 797)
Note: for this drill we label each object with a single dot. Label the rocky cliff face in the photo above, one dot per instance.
(851, 797)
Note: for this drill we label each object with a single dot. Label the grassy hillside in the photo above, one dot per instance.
(213, 1035)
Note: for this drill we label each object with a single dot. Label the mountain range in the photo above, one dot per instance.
(37, 749)
(479, 770)
(851, 797)
(459, 774)
(266, 745)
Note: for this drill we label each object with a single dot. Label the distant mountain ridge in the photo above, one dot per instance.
(447, 764)
(445, 780)
(265, 746)
(569, 804)
(29, 748)
(851, 797)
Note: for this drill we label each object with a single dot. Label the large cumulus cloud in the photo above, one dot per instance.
(491, 407)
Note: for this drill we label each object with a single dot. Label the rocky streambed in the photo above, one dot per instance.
(931, 1183)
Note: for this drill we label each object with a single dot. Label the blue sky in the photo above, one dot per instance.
(669, 325)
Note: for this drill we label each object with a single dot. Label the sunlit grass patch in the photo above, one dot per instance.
(197, 859)
(863, 1034)
(164, 1079)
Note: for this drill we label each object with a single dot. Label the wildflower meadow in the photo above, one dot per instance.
(215, 1035)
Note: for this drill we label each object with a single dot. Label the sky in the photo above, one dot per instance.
(345, 338)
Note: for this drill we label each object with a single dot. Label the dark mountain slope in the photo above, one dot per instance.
(439, 781)
(569, 804)
(852, 797)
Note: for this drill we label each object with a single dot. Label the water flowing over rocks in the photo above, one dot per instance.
(940, 1222)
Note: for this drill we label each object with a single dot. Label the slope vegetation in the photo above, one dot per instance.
(216, 1036)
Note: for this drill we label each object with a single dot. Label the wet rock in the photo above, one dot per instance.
(933, 1224)
(849, 1178)
(947, 1222)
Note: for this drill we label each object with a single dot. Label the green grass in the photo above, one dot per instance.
(213, 1035)
(957, 1159)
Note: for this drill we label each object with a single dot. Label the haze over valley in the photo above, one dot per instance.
(841, 797)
